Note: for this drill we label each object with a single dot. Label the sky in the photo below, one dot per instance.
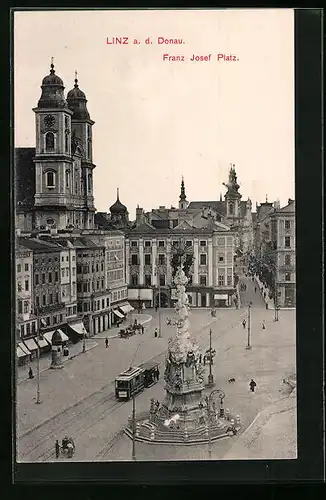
(156, 119)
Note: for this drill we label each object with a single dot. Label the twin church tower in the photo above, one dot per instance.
(62, 160)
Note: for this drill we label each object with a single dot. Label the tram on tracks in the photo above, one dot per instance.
(135, 380)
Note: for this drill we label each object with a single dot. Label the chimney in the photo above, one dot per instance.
(277, 205)
(139, 214)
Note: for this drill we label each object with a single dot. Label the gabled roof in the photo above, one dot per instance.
(38, 245)
(218, 206)
(183, 225)
(289, 208)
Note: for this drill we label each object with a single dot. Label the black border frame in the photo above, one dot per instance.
(309, 215)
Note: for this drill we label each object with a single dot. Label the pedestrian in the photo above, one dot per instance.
(142, 329)
(155, 332)
(204, 361)
(244, 323)
(106, 342)
(264, 295)
(200, 358)
(57, 449)
(263, 325)
(252, 385)
(266, 305)
(156, 307)
(30, 373)
(143, 306)
(255, 289)
(157, 374)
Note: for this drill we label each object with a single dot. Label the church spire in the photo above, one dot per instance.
(183, 198)
(183, 192)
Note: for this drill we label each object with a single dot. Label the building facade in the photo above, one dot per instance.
(25, 319)
(275, 250)
(149, 253)
(284, 242)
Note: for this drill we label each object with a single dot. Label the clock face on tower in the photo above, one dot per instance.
(49, 120)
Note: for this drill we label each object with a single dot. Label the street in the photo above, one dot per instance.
(79, 401)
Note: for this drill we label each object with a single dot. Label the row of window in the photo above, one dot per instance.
(115, 275)
(19, 268)
(52, 277)
(203, 279)
(27, 329)
(86, 269)
(71, 311)
(90, 286)
(119, 294)
(67, 258)
(161, 243)
(49, 260)
(47, 299)
(162, 259)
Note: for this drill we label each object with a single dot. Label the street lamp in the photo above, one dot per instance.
(133, 454)
(249, 326)
(210, 375)
(221, 395)
(84, 334)
(38, 398)
(275, 303)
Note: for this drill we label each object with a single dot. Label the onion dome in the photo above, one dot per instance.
(118, 207)
(76, 100)
(52, 91)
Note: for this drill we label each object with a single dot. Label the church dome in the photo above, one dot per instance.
(76, 100)
(52, 91)
(118, 207)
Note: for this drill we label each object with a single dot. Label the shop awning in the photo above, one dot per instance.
(23, 348)
(41, 342)
(118, 313)
(31, 344)
(20, 352)
(220, 297)
(48, 336)
(78, 328)
(126, 307)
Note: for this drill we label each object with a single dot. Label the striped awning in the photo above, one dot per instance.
(126, 308)
(118, 313)
(48, 336)
(30, 344)
(78, 328)
(41, 342)
(23, 348)
(20, 353)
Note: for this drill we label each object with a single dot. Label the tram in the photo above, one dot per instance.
(136, 379)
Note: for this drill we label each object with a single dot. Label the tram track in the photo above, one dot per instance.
(49, 429)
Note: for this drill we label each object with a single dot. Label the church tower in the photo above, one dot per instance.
(53, 154)
(63, 158)
(82, 149)
(183, 204)
(232, 196)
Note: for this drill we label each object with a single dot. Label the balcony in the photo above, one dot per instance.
(51, 307)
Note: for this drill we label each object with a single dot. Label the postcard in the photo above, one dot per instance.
(155, 242)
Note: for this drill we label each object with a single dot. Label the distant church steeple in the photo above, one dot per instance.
(183, 199)
(232, 196)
